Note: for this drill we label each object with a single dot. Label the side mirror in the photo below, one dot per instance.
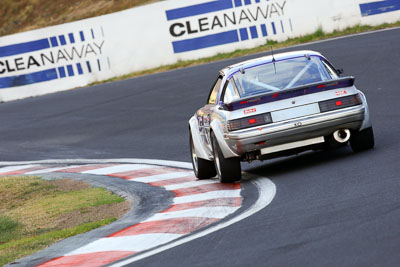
(339, 71)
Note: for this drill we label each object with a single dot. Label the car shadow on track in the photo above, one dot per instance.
(295, 163)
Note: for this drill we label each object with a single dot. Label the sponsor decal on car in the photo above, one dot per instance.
(250, 110)
(340, 92)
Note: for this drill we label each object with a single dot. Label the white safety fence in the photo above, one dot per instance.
(76, 54)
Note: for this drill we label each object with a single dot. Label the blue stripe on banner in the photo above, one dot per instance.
(205, 41)
(88, 66)
(62, 40)
(257, 1)
(61, 71)
(70, 70)
(273, 27)
(25, 79)
(247, 2)
(238, 3)
(92, 33)
(264, 30)
(198, 9)
(379, 7)
(15, 49)
(283, 30)
(54, 42)
(253, 32)
(71, 38)
(243, 34)
(80, 71)
(82, 36)
(98, 64)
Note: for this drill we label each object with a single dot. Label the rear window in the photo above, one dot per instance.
(274, 77)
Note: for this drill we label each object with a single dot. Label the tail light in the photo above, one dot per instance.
(338, 103)
(251, 121)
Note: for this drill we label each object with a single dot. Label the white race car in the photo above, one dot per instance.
(276, 106)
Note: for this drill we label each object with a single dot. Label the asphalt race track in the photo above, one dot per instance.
(332, 208)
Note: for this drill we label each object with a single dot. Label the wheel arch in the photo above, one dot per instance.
(198, 146)
(216, 128)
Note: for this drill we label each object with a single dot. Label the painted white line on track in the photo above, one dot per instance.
(162, 177)
(168, 163)
(207, 196)
(204, 212)
(51, 170)
(136, 243)
(119, 168)
(16, 168)
(189, 184)
(266, 190)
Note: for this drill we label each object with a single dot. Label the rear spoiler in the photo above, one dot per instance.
(311, 88)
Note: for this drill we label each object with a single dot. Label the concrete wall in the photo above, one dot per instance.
(75, 54)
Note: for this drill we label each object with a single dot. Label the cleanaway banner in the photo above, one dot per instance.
(79, 53)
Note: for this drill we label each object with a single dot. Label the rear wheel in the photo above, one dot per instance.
(203, 169)
(362, 140)
(228, 169)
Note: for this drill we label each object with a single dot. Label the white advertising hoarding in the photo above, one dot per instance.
(76, 54)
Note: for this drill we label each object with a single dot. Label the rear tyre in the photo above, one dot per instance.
(228, 169)
(203, 169)
(362, 140)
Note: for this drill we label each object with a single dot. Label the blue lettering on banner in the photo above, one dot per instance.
(379, 7)
(251, 19)
(39, 61)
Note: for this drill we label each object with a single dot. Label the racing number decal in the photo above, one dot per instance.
(298, 124)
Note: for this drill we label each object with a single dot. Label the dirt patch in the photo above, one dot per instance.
(24, 15)
(70, 185)
(92, 214)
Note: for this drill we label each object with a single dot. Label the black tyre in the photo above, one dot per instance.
(362, 140)
(228, 169)
(203, 169)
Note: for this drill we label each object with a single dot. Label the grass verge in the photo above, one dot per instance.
(35, 213)
(316, 36)
(18, 248)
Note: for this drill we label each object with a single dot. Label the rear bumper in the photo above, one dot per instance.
(322, 124)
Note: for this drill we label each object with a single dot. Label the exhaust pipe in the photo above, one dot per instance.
(342, 135)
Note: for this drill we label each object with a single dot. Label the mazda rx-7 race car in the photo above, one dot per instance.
(276, 106)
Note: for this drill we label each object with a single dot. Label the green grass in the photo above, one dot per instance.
(16, 249)
(318, 35)
(9, 229)
(32, 209)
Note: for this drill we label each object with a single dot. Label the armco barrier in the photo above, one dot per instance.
(78, 53)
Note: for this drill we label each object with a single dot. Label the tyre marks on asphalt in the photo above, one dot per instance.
(197, 204)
